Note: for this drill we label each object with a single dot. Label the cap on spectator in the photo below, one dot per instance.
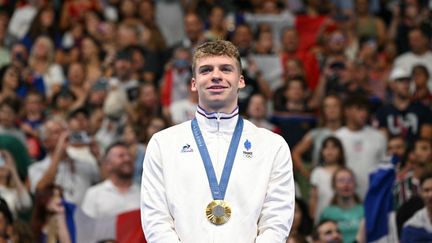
(399, 73)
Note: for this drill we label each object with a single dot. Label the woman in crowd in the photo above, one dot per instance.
(332, 158)
(345, 207)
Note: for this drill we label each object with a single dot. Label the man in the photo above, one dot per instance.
(177, 204)
(364, 146)
(404, 117)
(118, 193)
(58, 168)
(327, 231)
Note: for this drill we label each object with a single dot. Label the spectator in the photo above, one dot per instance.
(184, 110)
(217, 29)
(331, 119)
(422, 94)
(327, 231)
(292, 112)
(418, 228)
(364, 145)
(32, 117)
(41, 63)
(8, 119)
(136, 149)
(43, 24)
(332, 158)
(257, 113)
(117, 193)
(407, 185)
(302, 224)
(49, 222)
(367, 26)
(404, 117)
(7, 221)
(175, 82)
(291, 50)
(58, 168)
(77, 84)
(10, 82)
(345, 208)
(12, 189)
(92, 58)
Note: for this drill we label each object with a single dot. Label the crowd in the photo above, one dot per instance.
(84, 84)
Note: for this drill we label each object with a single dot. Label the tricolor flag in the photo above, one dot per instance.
(379, 214)
(418, 228)
(124, 227)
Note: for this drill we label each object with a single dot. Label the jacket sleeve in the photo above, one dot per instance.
(156, 220)
(277, 213)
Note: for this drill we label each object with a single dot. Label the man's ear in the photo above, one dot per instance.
(242, 83)
(193, 85)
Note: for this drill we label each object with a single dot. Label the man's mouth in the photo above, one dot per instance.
(216, 88)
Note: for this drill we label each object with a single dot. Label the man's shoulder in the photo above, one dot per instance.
(176, 130)
(40, 165)
(102, 186)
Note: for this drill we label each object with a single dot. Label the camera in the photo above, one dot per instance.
(79, 137)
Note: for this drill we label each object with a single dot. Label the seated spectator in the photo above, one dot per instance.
(302, 224)
(327, 231)
(117, 193)
(58, 168)
(10, 82)
(292, 112)
(422, 93)
(345, 208)
(332, 158)
(8, 119)
(7, 220)
(32, 117)
(42, 64)
(257, 113)
(419, 227)
(407, 185)
(49, 222)
(331, 118)
(12, 189)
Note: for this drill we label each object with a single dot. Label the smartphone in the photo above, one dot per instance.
(80, 137)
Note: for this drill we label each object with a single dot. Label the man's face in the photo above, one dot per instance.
(396, 146)
(423, 152)
(290, 41)
(418, 42)
(329, 232)
(193, 26)
(426, 193)
(217, 80)
(120, 162)
(357, 115)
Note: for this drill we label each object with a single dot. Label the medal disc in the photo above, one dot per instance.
(218, 212)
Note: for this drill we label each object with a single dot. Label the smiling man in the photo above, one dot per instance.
(217, 178)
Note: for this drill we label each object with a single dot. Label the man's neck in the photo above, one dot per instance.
(122, 184)
(401, 103)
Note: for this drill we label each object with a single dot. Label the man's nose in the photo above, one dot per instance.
(216, 75)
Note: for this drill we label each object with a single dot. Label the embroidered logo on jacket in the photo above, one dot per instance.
(247, 145)
(186, 149)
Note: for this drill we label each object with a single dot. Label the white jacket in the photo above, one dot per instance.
(175, 190)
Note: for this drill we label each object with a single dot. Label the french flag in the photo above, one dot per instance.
(124, 227)
(380, 219)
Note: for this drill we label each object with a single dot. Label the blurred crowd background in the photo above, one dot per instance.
(84, 84)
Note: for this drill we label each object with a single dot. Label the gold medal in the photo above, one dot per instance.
(218, 212)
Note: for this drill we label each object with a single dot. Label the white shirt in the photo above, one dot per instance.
(322, 180)
(74, 183)
(364, 150)
(175, 190)
(104, 199)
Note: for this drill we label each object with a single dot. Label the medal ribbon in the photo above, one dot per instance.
(218, 190)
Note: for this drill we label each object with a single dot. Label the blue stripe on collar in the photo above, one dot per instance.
(214, 115)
